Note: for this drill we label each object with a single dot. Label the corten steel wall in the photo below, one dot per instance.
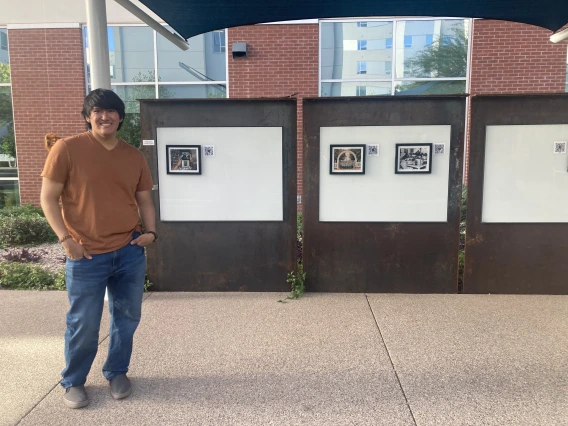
(525, 258)
(223, 256)
(381, 256)
(282, 61)
(48, 88)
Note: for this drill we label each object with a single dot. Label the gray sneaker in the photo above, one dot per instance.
(76, 397)
(120, 387)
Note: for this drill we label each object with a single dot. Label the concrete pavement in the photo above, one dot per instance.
(325, 359)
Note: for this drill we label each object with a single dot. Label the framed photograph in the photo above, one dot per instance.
(413, 158)
(184, 159)
(347, 159)
(372, 150)
(560, 147)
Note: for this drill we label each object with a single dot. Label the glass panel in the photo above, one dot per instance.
(131, 54)
(4, 57)
(130, 94)
(430, 87)
(431, 49)
(205, 60)
(130, 129)
(9, 193)
(192, 91)
(345, 44)
(360, 88)
(7, 167)
(7, 139)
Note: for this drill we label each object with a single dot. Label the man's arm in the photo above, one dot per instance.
(50, 193)
(148, 215)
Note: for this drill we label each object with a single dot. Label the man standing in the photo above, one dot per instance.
(104, 185)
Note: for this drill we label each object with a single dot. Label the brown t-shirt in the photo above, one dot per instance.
(98, 199)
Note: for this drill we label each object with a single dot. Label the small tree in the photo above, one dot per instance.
(130, 130)
(445, 57)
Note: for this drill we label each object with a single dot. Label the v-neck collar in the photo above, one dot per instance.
(92, 137)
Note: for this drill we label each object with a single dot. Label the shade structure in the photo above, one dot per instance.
(192, 17)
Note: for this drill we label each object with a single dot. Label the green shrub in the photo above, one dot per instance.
(25, 276)
(22, 211)
(461, 269)
(24, 230)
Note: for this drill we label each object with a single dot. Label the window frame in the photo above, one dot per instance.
(391, 77)
(17, 177)
(156, 83)
(361, 67)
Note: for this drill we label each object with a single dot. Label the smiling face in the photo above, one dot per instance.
(104, 122)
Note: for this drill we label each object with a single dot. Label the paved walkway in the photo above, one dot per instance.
(326, 359)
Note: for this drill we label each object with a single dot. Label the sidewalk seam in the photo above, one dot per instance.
(390, 359)
(59, 382)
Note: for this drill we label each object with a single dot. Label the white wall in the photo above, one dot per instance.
(524, 180)
(243, 182)
(62, 11)
(380, 195)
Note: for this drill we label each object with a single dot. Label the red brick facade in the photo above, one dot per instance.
(282, 61)
(507, 57)
(48, 88)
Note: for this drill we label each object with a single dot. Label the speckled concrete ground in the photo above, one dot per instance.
(326, 359)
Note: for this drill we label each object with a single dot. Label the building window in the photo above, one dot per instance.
(362, 24)
(144, 65)
(219, 41)
(446, 40)
(413, 68)
(9, 187)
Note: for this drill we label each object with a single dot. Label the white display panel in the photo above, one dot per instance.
(380, 195)
(524, 179)
(242, 182)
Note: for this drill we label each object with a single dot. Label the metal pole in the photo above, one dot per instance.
(98, 44)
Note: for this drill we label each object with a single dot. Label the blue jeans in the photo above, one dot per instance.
(122, 272)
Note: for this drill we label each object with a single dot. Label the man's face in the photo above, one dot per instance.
(104, 122)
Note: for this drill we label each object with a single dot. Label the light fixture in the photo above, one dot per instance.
(559, 36)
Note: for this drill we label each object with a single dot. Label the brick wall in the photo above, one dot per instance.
(515, 58)
(282, 61)
(510, 58)
(48, 88)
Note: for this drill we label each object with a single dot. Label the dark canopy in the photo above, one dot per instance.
(193, 17)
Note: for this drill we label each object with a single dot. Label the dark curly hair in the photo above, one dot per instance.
(105, 99)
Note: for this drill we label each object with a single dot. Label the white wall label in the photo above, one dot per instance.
(148, 142)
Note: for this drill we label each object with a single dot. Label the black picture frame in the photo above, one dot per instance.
(192, 154)
(349, 166)
(413, 158)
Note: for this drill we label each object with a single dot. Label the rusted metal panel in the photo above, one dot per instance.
(381, 256)
(524, 258)
(223, 256)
